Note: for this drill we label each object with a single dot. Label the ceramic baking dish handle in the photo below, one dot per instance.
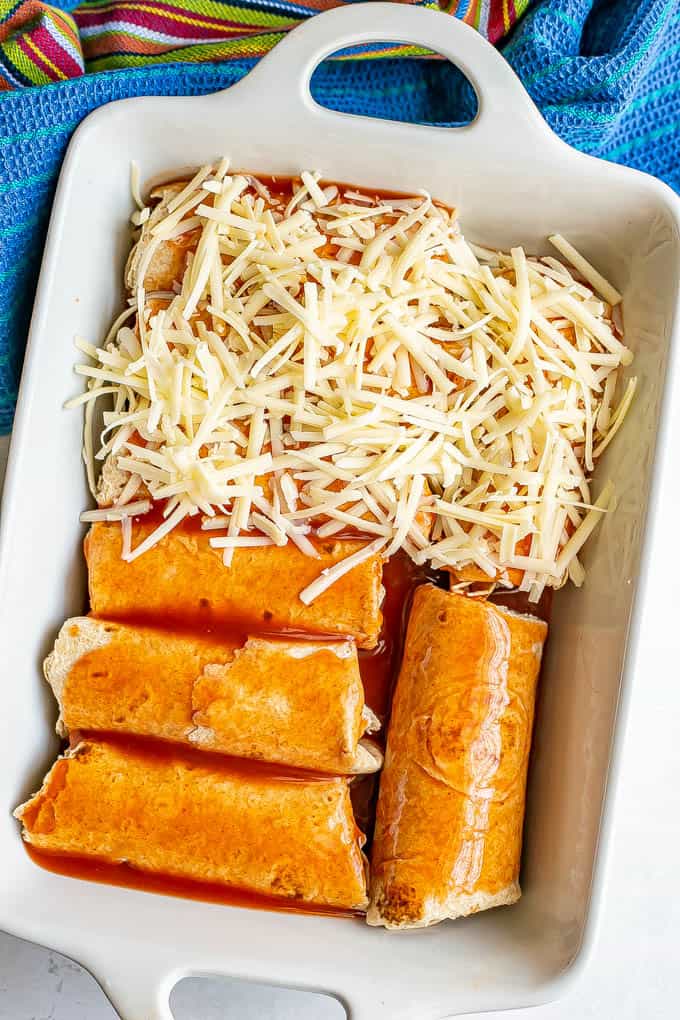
(139, 988)
(137, 982)
(145, 995)
(284, 74)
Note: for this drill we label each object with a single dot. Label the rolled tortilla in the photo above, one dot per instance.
(183, 580)
(448, 831)
(167, 814)
(166, 263)
(299, 703)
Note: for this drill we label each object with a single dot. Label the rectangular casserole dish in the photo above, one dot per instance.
(514, 182)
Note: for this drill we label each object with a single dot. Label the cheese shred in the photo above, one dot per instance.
(327, 359)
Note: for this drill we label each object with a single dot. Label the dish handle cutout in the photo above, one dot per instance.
(138, 986)
(215, 998)
(284, 75)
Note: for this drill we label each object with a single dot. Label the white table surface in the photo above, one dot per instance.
(633, 973)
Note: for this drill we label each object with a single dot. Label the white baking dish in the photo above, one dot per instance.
(514, 182)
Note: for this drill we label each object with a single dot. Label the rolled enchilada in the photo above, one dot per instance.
(167, 814)
(183, 580)
(451, 805)
(300, 703)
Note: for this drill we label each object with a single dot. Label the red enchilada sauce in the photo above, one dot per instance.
(518, 602)
(155, 749)
(379, 666)
(207, 892)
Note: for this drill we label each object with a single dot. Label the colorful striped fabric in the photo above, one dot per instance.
(41, 43)
(38, 44)
(133, 33)
(494, 20)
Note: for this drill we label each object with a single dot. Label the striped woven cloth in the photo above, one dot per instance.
(40, 43)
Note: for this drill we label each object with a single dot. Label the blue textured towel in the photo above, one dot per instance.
(605, 74)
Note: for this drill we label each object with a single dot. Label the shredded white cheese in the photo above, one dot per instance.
(116, 513)
(330, 575)
(329, 359)
(588, 272)
(135, 185)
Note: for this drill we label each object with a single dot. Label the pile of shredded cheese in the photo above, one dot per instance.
(333, 360)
